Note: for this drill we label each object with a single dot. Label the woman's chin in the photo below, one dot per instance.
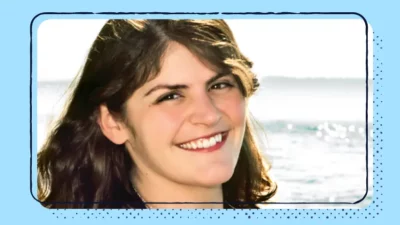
(216, 178)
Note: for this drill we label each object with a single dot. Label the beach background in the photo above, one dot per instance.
(311, 113)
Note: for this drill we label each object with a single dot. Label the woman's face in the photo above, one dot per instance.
(187, 124)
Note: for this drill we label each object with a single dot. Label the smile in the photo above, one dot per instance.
(212, 143)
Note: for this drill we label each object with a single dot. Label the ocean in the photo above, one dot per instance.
(312, 131)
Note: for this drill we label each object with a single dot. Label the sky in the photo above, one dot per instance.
(298, 48)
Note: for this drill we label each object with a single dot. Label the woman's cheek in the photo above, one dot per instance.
(164, 120)
(234, 106)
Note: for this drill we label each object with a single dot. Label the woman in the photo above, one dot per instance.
(159, 115)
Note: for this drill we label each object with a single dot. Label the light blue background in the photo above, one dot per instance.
(18, 206)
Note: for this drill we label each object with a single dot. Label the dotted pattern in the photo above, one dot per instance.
(378, 127)
(372, 211)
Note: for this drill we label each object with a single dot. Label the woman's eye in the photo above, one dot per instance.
(168, 97)
(221, 85)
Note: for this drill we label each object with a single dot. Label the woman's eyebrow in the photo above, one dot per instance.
(166, 86)
(183, 86)
(216, 77)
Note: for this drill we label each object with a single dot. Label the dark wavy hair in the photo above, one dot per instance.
(78, 167)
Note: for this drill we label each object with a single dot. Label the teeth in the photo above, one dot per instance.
(199, 144)
(203, 143)
(219, 138)
(212, 141)
(206, 143)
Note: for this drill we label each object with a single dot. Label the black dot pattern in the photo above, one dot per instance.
(373, 210)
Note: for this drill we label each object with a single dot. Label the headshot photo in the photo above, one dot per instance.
(203, 113)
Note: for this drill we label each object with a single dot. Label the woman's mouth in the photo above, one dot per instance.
(208, 144)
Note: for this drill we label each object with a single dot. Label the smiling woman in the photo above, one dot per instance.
(158, 119)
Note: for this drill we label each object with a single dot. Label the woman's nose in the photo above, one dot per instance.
(205, 111)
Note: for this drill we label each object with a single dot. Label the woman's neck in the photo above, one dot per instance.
(159, 189)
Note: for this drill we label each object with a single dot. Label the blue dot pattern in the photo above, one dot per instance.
(372, 211)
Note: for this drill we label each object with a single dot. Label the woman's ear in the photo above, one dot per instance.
(113, 129)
